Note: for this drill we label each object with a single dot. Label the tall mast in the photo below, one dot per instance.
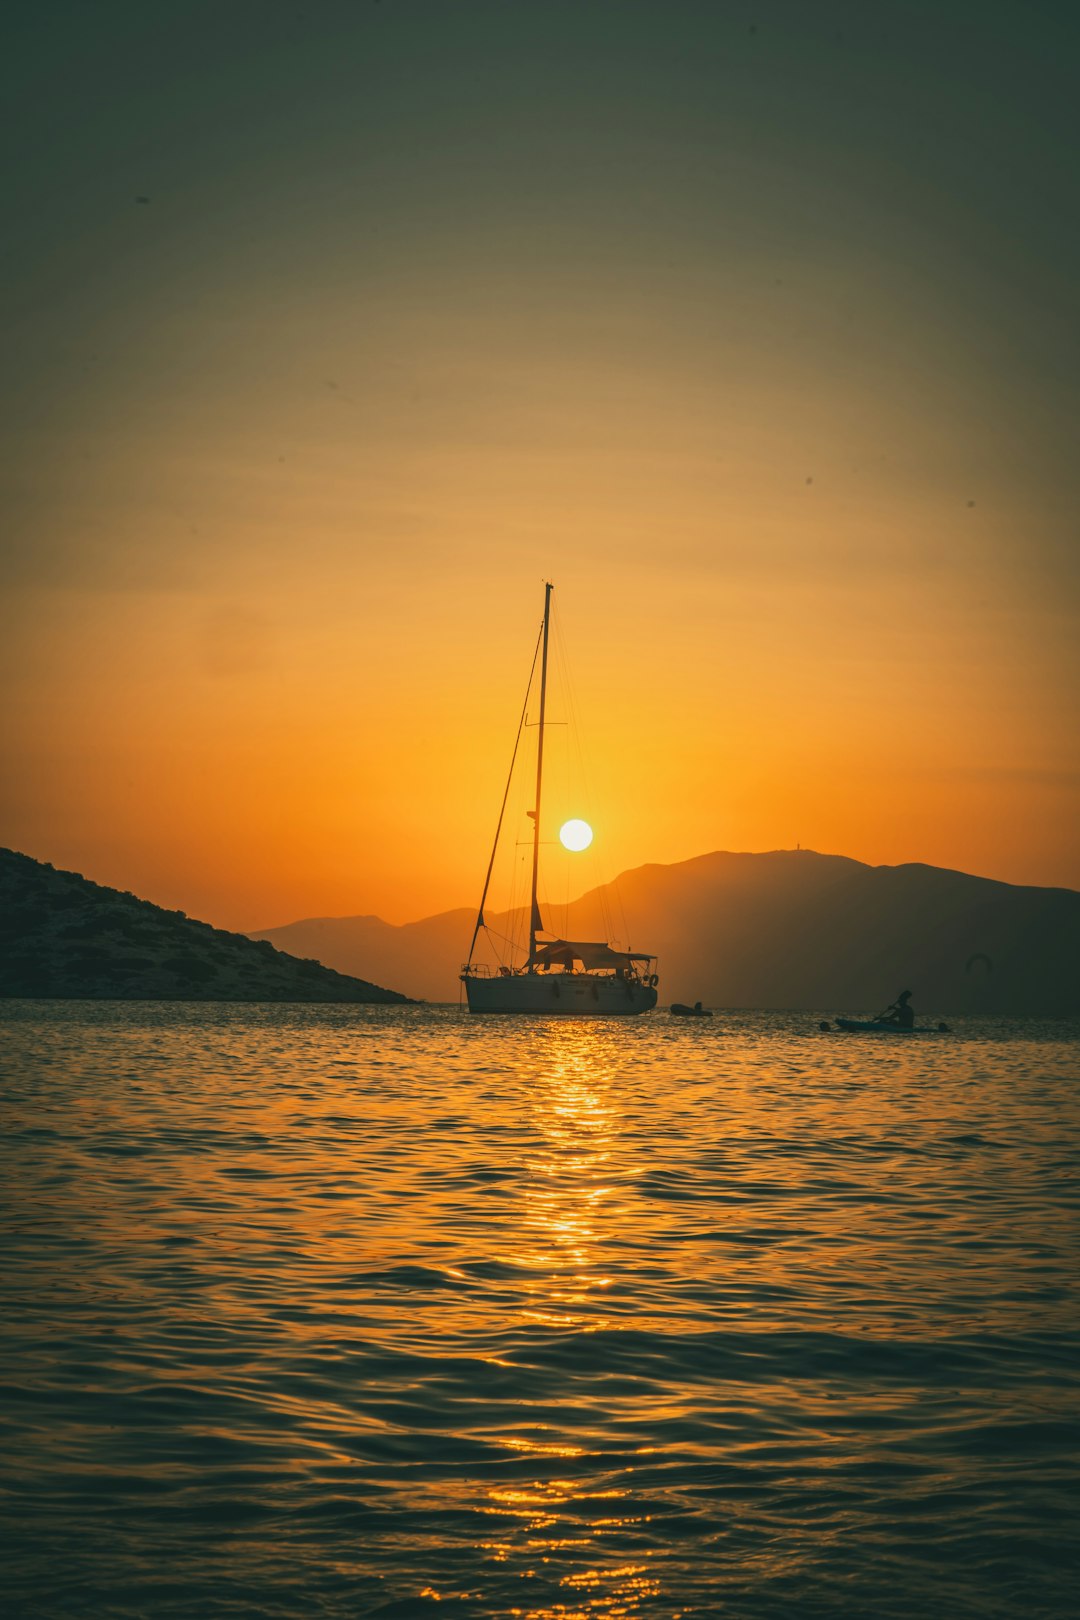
(535, 922)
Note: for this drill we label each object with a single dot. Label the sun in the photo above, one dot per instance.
(575, 835)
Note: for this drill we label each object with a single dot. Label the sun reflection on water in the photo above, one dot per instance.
(567, 1197)
(571, 1207)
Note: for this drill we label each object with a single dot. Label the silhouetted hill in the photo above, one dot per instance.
(429, 952)
(63, 936)
(784, 929)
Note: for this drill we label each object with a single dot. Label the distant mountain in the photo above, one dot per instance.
(429, 952)
(63, 936)
(787, 929)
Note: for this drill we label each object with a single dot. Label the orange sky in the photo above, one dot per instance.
(763, 383)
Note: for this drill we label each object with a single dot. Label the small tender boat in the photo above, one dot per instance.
(679, 1009)
(881, 1026)
(564, 977)
(877, 1026)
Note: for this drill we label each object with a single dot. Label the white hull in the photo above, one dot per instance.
(573, 995)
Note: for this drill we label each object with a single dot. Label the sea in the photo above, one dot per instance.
(395, 1312)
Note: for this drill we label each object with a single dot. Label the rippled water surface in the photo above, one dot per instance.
(349, 1311)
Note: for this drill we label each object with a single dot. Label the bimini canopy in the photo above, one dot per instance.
(591, 954)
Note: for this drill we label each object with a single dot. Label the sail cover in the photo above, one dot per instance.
(590, 953)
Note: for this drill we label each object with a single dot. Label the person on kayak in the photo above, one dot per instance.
(901, 1012)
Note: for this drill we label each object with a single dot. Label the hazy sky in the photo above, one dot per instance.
(332, 329)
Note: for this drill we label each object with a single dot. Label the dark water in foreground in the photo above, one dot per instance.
(387, 1312)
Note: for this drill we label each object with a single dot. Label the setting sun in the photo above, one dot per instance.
(575, 835)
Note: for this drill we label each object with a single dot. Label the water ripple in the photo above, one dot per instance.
(388, 1311)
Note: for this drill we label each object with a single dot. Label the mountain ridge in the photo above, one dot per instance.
(779, 928)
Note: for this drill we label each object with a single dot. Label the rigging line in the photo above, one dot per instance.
(612, 904)
(513, 920)
(599, 869)
(571, 756)
(514, 873)
(506, 791)
(567, 784)
(519, 870)
(493, 933)
(520, 912)
(534, 914)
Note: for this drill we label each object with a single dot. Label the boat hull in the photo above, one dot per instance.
(559, 995)
(875, 1026)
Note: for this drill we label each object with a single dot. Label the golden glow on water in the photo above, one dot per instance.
(540, 1448)
(590, 1319)
(567, 1201)
(571, 1209)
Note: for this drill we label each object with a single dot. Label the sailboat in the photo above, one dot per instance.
(559, 977)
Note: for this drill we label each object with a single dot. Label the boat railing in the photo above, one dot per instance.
(483, 970)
